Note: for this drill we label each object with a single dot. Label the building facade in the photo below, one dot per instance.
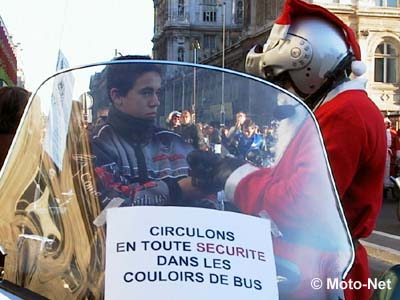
(376, 22)
(193, 30)
(8, 60)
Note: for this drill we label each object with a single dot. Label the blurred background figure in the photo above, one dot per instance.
(12, 104)
(230, 139)
(174, 121)
(213, 137)
(237, 128)
(191, 133)
(268, 138)
(269, 142)
(223, 132)
(393, 153)
(250, 143)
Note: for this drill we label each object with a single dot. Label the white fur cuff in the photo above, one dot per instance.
(234, 179)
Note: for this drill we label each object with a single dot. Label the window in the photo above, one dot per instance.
(239, 12)
(209, 16)
(209, 41)
(387, 3)
(386, 60)
(260, 10)
(181, 54)
(273, 8)
(181, 8)
(209, 11)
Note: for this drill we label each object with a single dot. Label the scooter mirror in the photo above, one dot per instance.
(391, 278)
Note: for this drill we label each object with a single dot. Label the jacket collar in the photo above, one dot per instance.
(138, 130)
(354, 84)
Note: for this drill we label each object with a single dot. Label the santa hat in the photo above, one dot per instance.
(297, 8)
(387, 120)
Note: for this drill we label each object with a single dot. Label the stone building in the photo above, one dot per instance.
(184, 26)
(192, 30)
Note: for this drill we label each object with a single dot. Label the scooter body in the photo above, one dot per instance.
(56, 233)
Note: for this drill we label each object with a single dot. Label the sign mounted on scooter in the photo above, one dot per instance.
(195, 254)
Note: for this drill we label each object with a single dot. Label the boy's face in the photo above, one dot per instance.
(142, 100)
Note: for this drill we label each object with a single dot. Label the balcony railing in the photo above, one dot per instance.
(177, 18)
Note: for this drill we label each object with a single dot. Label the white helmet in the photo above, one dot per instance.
(310, 47)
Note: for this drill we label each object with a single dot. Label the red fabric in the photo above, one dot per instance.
(5, 43)
(7, 56)
(355, 139)
(359, 271)
(294, 8)
(286, 189)
(294, 193)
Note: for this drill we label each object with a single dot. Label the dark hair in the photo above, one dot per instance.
(12, 104)
(248, 123)
(123, 76)
(214, 124)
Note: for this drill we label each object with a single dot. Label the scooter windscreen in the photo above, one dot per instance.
(137, 179)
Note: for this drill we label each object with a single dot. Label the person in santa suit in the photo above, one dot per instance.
(312, 53)
(393, 153)
(292, 194)
(317, 69)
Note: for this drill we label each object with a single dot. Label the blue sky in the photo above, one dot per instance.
(87, 31)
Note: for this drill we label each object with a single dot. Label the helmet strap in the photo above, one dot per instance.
(332, 79)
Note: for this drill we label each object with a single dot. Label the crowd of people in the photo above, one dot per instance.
(245, 139)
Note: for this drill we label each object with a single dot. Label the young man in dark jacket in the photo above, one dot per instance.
(136, 161)
(190, 133)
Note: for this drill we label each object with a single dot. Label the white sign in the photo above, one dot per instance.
(60, 111)
(188, 253)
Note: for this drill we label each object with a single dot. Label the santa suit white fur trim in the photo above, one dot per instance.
(288, 127)
(235, 178)
(355, 84)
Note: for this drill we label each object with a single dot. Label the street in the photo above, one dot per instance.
(383, 245)
(387, 221)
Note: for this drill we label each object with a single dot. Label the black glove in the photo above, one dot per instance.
(202, 165)
(209, 171)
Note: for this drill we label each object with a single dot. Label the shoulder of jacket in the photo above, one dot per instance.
(162, 132)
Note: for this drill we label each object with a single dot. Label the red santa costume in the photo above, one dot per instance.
(354, 137)
(355, 141)
(294, 193)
